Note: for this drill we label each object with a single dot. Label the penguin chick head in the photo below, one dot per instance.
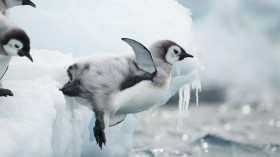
(16, 43)
(169, 51)
(12, 3)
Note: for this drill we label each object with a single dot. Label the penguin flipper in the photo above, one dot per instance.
(116, 119)
(4, 73)
(144, 60)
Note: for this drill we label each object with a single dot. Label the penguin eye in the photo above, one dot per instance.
(16, 46)
(176, 52)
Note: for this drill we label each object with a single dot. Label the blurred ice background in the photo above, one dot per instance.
(239, 44)
(240, 41)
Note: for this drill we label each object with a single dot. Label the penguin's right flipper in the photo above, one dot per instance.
(5, 92)
(144, 59)
(116, 119)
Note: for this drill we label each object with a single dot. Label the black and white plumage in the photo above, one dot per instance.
(6, 4)
(115, 86)
(13, 42)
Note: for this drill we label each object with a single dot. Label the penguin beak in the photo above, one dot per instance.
(29, 56)
(28, 2)
(185, 55)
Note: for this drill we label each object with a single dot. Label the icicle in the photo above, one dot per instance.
(196, 84)
(187, 96)
(184, 99)
(181, 98)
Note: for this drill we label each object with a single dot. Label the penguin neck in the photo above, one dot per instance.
(166, 67)
(162, 77)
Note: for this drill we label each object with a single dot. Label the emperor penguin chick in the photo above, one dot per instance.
(13, 42)
(6, 4)
(118, 85)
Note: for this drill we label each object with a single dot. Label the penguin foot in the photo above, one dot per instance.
(99, 136)
(5, 92)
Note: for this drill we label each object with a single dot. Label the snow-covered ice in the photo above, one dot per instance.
(85, 27)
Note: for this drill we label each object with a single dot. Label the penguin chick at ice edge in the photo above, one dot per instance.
(13, 42)
(115, 86)
(6, 4)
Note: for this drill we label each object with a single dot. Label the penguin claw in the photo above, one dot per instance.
(100, 137)
(6, 92)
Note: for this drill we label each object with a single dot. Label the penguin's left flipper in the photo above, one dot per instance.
(5, 92)
(116, 119)
(144, 59)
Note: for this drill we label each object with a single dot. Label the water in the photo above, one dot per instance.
(210, 130)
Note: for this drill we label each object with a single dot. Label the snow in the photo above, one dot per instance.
(21, 119)
(39, 113)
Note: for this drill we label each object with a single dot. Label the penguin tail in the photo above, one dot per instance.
(71, 89)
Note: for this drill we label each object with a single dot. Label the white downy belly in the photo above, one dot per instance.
(140, 97)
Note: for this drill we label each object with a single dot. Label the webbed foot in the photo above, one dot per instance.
(99, 136)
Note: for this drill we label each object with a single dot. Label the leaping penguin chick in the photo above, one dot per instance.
(118, 85)
(6, 4)
(13, 42)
